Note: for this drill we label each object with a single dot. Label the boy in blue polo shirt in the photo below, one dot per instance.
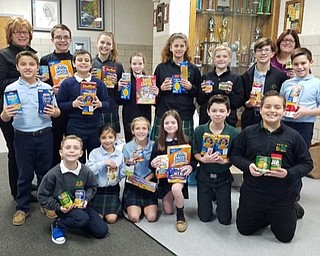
(33, 136)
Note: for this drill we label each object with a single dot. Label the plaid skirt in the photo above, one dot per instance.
(111, 119)
(187, 127)
(133, 195)
(106, 200)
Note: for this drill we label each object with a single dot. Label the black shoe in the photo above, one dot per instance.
(34, 187)
(299, 210)
(33, 199)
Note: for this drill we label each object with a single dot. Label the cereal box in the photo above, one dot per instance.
(161, 170)
(175, 175)
(179, 155)
(60, 70)
(143, 94)
(107, 74)
(142, 183)
(88, 93)
(12, 98)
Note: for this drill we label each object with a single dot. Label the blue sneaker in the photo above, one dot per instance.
(57, 234)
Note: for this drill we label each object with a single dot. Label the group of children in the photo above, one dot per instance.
(91, 138)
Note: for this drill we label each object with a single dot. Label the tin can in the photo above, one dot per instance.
(80, 196)
(263, 163)
(65, 199)
(276, 161)
(209, 86)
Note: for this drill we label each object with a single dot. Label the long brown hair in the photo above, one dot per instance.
(181, 137)
(114, 52)
(166, 54)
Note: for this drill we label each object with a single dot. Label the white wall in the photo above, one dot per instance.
(123, 17)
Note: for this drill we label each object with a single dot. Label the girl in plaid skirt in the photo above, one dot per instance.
(106, 162)
(136, 200)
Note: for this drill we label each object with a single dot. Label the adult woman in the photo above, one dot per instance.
(18, 36)
(286, 43)
(176, 51)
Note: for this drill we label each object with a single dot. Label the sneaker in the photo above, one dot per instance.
(299, 210)
(181, 226)
(19, 218)
(57, 234)
(49, 213)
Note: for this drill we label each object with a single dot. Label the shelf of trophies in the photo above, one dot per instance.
(235, 23)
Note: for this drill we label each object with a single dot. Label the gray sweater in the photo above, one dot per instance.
(54, 183)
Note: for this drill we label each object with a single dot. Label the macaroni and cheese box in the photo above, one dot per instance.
(107, 74)
(177, 88)
(88, 93)
(45, 97)
(212, 143)
(44, 71)
(175, 175)
(143, 94)
(142, 183)
(161, 170)
(179, 155)
(126, 89)
(60, 70)
(12, 98)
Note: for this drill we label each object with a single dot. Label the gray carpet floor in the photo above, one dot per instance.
(34, 237)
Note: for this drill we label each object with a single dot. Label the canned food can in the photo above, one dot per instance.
(209, 86)
(263, 163)
(65, 199)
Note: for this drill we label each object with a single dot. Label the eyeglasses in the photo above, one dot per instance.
(62, 37)
(21, 33)
(263, 50)
(288, 41)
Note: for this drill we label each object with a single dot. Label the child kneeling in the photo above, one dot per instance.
(61, 182)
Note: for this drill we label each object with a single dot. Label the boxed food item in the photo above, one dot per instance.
(175, 175)
(107, 74)
(126, 89)
(179, 155)
(143, 93)
(45, 97)
(263, 163)
(161, 170)
(60, 70)
(142, 183)
(79, 198)
(13, 99)
(293, 100)
(212, 143)
(88, 93)
(256, 93)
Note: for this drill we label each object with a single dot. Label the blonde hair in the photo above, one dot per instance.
(71, 137)
(114, 52)
(15, 23)
(222, 48)
(166, 54)
(139, 119)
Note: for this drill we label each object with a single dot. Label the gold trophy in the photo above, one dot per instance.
(224, 31)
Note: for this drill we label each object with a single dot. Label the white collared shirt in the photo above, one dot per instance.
(64, 169)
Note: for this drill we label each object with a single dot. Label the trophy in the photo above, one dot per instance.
(235, 6)
(234, 55)
(210, 5)
(255, 6)
(211, 27)
(260, 7)
(256, 35)
(243, 56)
(224, 31)
(197, 58)
(267, 7)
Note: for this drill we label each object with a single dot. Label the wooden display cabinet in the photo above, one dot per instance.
(241, 19)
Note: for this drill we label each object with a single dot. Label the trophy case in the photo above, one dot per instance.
(235, 23)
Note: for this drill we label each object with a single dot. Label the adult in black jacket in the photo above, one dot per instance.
(268, 197)
(261, 73)
(18, 36)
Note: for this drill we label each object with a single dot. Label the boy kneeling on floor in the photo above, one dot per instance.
(58, 190)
